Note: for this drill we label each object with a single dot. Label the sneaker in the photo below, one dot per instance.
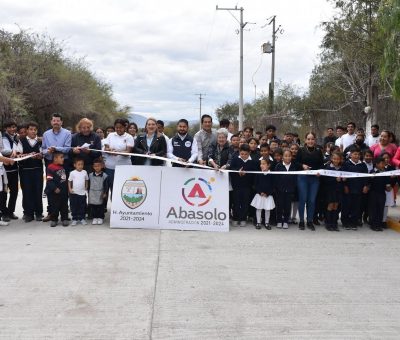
(242, 223)
(74, 223)
(65, 223)
(267, 226)
(99, 221)
(3, 223)
(53, 224)
(258, 226)
(83, 222)
(279, 225)
(94, 222)
(236, 223)
(285, 226)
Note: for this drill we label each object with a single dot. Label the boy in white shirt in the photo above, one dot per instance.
(77, 185)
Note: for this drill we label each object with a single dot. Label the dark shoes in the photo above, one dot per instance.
(47, 218)
(301, 226)
(258, 226)
(267, 226)
(310, 226)
(28, 219)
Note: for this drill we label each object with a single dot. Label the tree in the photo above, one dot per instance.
(37, 79)
(389, 28)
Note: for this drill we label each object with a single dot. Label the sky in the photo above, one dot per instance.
(158, 54)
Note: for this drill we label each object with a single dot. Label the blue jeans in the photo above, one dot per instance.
(308, 189)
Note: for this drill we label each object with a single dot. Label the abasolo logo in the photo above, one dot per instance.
(197, 191)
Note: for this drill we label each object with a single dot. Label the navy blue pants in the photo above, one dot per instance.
(12, 193)
(78, 206)
(58, 206)
(32, 191)
(241, 203)
(376, 205)
(351, 208)
(283, 206)
(97, 210)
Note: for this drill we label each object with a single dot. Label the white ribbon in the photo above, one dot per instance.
(321, 172)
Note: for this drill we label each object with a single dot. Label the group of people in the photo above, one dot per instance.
(80, 170)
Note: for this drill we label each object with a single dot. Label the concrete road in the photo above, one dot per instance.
(91, 282)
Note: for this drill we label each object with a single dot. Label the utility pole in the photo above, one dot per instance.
(200, 100)
(242, 26)
(270, 48)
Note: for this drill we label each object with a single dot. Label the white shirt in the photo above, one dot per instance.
(117, 143)
(78, 179)
(370, 166)
(338, 141)
(287, 166)
(371, 140)
(348, 140)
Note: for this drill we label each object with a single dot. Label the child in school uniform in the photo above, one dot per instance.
(353, 190)
(263, 200)
(333, 192)
(78, 181)
(285, 187)
(379, 186)
(294, 148)
(242, 184)
(265, 153)
(98, 189)
(368, 157)
(31, 174)
(57, 190)
(389, 201)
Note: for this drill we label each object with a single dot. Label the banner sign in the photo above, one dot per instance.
(159, 197)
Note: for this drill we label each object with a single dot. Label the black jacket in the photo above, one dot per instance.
(158, 147)
(224, 156)
(246, 181)
(286, 183)
(355, 185)
(378, 184)
(95, 143)
(264, 183)
(330, 183)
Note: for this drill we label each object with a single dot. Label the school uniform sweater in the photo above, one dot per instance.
(286, 183)
(247, 180)
(264, 183)
(355, 185)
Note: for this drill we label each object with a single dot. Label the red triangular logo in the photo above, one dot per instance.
(197, 191)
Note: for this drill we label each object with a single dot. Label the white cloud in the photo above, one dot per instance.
(158, 54)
